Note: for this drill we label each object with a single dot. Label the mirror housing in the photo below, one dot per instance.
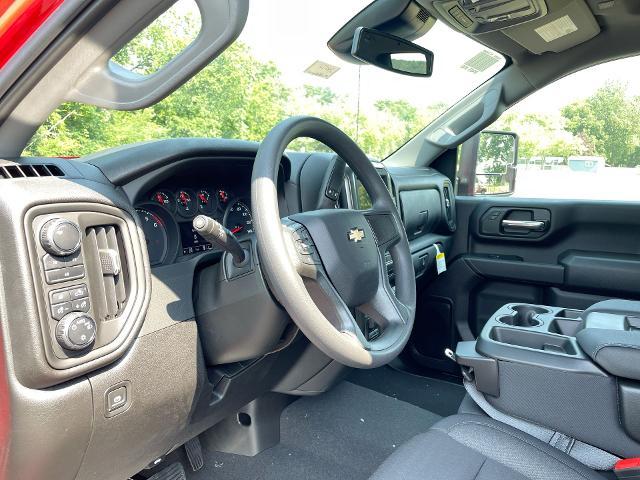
(487, 164)
(391, 53)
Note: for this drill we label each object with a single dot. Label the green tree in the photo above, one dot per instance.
(323, 95)
(236, 96)
(609, 122)
(541, 135)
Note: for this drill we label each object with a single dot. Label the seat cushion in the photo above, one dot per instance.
(469, 405)
(472, 447)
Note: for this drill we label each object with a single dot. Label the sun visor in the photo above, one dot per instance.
(563, 27)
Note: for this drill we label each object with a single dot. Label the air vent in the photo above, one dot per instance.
(447, 204)
(104, 252)
(30, 171)
(386, 178)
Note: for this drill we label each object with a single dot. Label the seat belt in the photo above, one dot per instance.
(593, 457)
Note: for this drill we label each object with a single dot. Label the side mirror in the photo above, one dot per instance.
(391, 53)
(487, 164)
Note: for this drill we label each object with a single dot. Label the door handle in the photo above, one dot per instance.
(530, 225)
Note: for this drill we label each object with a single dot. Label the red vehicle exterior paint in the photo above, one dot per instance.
(18, 20)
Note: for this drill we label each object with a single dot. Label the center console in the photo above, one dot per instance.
(577, 372)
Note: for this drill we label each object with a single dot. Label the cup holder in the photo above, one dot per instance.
(523, 316)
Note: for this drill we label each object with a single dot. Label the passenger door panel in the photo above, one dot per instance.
(583, 253)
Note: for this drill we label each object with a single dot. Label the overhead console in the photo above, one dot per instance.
(538, 25)
(481, 16)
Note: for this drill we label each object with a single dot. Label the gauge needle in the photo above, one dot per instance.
(236, 230)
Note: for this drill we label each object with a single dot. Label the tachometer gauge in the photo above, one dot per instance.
(238, 219)
(186, 203)
(164, 198)
(155, 234)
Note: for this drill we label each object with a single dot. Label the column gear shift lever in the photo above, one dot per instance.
(218, 235)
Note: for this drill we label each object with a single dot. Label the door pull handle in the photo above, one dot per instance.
(530, 225)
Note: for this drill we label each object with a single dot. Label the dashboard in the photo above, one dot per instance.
(169, 331)
(167, 210)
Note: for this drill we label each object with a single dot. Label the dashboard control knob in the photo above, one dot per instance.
(60, 237)
(76, 331)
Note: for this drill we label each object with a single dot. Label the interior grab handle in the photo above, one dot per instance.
(531, 225)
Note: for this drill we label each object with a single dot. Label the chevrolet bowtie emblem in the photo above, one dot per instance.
(356, 235)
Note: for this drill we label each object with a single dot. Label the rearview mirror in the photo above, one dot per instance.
(487, 164)
(391, 53)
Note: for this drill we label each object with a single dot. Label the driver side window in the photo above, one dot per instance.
(578, 138)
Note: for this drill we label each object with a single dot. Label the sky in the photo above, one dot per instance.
(293, 34)
(582, 84)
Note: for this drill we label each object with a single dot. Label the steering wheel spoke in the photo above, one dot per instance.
(385, 309)
(333, 307)
(304, 255)
(385, 228)
(301, 249)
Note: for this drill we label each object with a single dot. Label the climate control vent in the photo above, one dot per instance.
(104, 251)
(449, 206)
(30, 171)
(447, 203)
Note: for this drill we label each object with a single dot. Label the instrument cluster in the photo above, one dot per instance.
(168, 213)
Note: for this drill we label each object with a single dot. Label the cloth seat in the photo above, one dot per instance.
(475, 447)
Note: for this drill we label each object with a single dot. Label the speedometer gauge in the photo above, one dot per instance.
(238, 219)
(155, 234)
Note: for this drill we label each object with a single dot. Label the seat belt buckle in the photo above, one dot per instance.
(627, 469)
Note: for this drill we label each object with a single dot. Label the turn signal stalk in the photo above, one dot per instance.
(214, 232)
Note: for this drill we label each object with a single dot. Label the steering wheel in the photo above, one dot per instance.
(324, 265)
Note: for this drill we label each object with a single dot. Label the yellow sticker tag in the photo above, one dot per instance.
(441, 261)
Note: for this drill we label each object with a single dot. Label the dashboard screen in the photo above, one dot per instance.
(192, 242)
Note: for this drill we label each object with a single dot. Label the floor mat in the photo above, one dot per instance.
(343, 434)
(435, 395)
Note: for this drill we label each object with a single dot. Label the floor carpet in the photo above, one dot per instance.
(343, 434)
(438, 396)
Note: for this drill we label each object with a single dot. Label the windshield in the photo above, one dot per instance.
(280, 66)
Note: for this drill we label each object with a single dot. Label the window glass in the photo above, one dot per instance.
(154, 47)
(280, 66)
(578, 138)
